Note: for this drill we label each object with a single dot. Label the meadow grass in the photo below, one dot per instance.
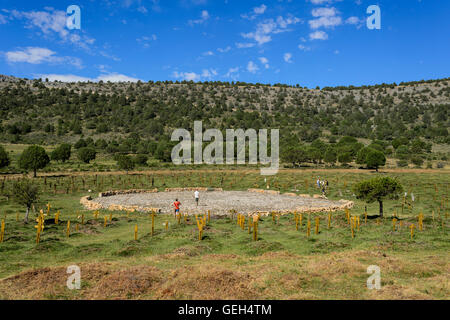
(283, 263)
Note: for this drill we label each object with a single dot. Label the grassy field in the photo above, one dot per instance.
(227, 264)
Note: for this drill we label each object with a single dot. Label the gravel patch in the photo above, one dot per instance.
(220, 203)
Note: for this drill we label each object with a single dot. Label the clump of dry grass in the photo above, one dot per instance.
(273, 275)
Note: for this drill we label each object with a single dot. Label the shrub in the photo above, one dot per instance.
(402, 163)
(416, 160)
(141, 160)
(62, 153)
(4, 158)
(87, 154)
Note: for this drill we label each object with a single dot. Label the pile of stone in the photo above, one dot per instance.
(118, 192)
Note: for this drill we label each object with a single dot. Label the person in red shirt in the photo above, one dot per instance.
(176, 205)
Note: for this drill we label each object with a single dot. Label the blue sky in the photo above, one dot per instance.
(306, 42)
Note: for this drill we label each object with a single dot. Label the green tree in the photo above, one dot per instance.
(417, 161)
(330, 156)
(34, 158)
(87, 154)
(125, 163)
(26, 193)
(361, 156)
(141, 160)
(345, 158)
(378, 189)
(4, 158)
(375, 159)
(62, 153)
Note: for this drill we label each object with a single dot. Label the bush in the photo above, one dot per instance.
(416, 160)
(87, 154)
(402, 163)
(4, 158)
(62, 153)
(440, 165)
(125, 163)
(141, 160)
(80, 144)
(345, 158)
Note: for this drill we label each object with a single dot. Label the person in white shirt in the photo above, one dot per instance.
(197, 196)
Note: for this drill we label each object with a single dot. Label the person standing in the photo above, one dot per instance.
(197, 197)
(176, 206)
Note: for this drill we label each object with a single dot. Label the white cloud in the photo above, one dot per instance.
(265, 29)
(3, 19)
(112, 77)
(145, 40)
(355, 21)
(265, 62)
(207, 74)
(255, 12)
(241, 45)
(52, 22)
(204, 17)
(232, 73)
(142, 9)
(318, 35)
(224, 50)
(36, 55)
(326, 17)
(287, 57)
(260, 10)
(208, 53)
(324, 12)
(252, 67)
(303, 48)
(319, 2)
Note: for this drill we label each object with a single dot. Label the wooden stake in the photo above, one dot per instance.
(105, 221)
(394, 224)
(308, 228)
(2, 230)
(412, 230)
(68, 229)
(317, 225)
(329, 220)
(255, 228)
(153, 222)
(135, 232)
